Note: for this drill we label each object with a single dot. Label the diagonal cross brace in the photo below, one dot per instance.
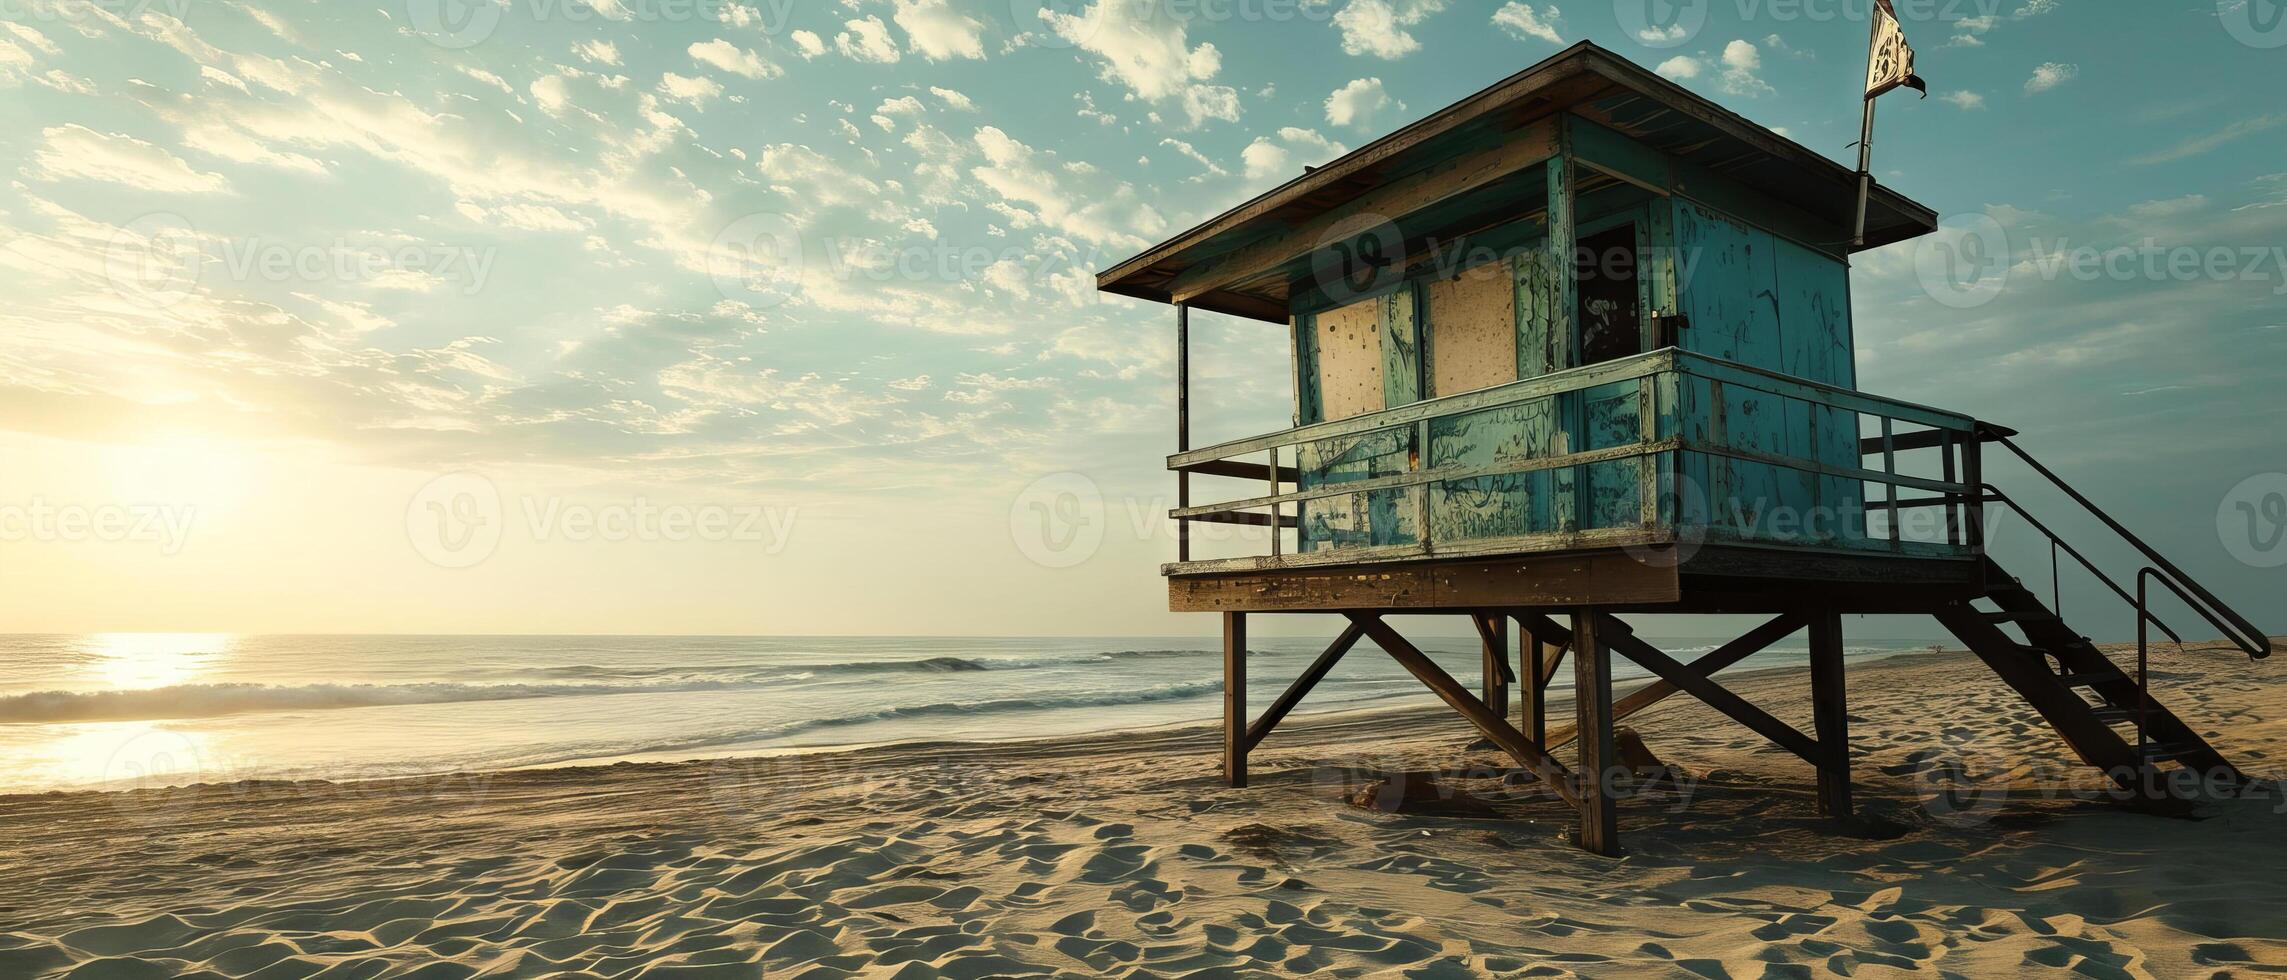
(1489, 631)
(1311, 675)
(1696, 679)
(1747, 645)
(1530, 755)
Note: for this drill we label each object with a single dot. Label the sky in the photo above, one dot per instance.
(777, 317)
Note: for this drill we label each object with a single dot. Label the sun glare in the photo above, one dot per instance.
(142, 660)
(187, 470)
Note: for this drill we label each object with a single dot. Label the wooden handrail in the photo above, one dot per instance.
(1655, 371)
(1498, 396)
(1576, 379)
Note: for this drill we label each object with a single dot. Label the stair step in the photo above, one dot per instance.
(2089, 678)
(2020, 616)
(2170, 752)
(2115, 715)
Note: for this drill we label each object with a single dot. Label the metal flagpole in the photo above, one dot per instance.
(1866, 131)
(1865, 174)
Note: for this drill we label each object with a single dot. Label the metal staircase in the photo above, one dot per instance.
(2104, 712)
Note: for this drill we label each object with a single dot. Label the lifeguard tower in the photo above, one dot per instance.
(1578, 345)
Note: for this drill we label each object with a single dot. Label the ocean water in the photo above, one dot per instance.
(144, 709)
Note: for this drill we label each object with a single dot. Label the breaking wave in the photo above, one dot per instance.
(217, 699)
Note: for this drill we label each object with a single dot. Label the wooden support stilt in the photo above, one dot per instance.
(1493, 637)
(1235, 699)
(1528, 754)
(1592, 704)
(1294, 692)
(1538, 655)
(1532, 695)
(1830, 714)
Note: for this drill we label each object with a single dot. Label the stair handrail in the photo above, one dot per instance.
(1994, 494)
(2235, 628)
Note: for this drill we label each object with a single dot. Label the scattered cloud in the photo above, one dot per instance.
(695, 91)
(597, 52)
(1681, 68)
(2174, 207)
(1963, 99)
(1028, 179)
(1742, 64)
(2205, 143)
(1282, 158)
(75, 152)
(1146, 49)
(934, 30)
(1377, 28)
(1779, 44)
(867, 39)
(1525, 23)
(734, 59)
(1359, 103)
(1192, 153)
(2050, 76)
(953, 100)
(1969, 32)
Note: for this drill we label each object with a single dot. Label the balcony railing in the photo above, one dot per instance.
(1650, 450)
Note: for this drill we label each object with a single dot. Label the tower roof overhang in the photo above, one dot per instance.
(1230, 263)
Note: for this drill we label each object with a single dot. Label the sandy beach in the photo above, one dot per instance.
(1123, 855)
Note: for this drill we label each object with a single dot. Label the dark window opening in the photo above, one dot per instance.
(1610, 314)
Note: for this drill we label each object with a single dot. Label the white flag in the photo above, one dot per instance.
(1891, 64)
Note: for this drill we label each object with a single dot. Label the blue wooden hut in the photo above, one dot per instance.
(1581, 344)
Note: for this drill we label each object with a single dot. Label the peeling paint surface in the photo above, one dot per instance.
(1349, 360)
(1751, 297)
(1769, 303)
